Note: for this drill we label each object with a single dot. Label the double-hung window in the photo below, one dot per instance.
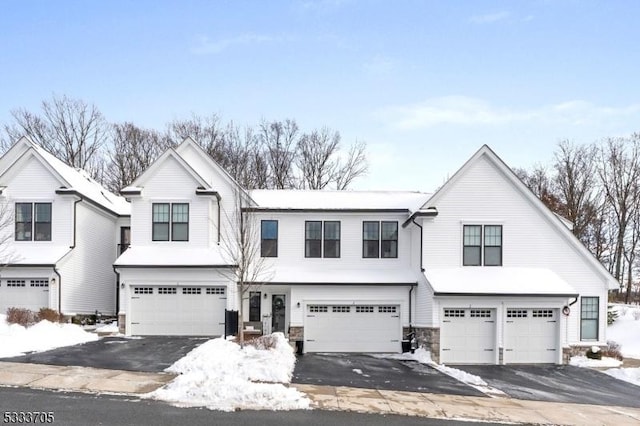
(589, 318)
(380, 239)
(170, 222)
(33, 221)
(322, 244)
(476, 250)
(269, 238)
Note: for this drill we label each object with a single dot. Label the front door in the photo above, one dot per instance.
(277, 312)
(125, 239)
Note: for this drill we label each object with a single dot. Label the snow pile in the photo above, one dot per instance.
(17, 340)
(108, 328)
(220, 375)
(631, 375)
(583, 361)
(626, 330)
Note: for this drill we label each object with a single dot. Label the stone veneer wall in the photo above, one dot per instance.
(568, 352)
(429, 338)
(296, 334)
(122, 321)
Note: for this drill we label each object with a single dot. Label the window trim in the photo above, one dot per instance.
(258, 296)
(170, 222)
(33, 205)
(382, 256)
(179, 223)
(325, 239)
(153, 221)
(30, 222)
(307, 252)
(364, 256)
(484, 244)
(596, 319)
(262, 239)
(479, 246)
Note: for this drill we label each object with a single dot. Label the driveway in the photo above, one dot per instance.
(367, 371)
(557, 383)
(151, 354)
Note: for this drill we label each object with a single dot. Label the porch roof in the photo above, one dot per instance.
(34, 255)
(171, 257)
(311, 276)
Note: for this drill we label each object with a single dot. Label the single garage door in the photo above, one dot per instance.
(352, 328)
(468, 336)
(31, 294)
(177, 311)
(531, 336)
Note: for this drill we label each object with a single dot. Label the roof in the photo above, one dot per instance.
(77, 180)
(296, 199)
(306, 275)
(171, 256)
(479, 280)
(555, 221)
(33, 254)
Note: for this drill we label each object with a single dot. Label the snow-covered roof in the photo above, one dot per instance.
(30, 254)
(80, 181)
(171, 256)
(293, 199)
(305, 275)
(497, 280)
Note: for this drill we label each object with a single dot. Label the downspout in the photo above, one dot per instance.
(421, 240)
(410, 313)
(218, 197)
(55, 270)
(117, 289)
(75, 221)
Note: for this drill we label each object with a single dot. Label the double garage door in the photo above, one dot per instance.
(352, 328)
(469, 336)
(31, 294)
(177, 310)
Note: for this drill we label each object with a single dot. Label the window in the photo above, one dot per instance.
(332, 239)
(143, 290)
(318, 308)
(387, 309)
(170, 222)
(317, 244)
(589, 309)
(364, 309)
(40, 283)
(472, 240)
(180, 222)
(454, 313)
(167, 290)
(191, 290)
(269, 235)
(389, 239)
(215, 290)
(342, 309)
(472, 245)
(28, 229)
(254, 305)
(371, 239)
(16, 283)
(312, 239)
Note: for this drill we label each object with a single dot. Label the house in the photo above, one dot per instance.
(60, 234)
(481, 270)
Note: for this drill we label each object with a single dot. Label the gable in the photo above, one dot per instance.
(29, 177)
(170, 180)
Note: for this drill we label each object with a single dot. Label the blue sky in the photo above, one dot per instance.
(423, 83)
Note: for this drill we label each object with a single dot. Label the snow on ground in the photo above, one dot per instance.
(583, 361)
(220, 375)
(631, 375)
(108, 328)
(626, 330)
(17, 340)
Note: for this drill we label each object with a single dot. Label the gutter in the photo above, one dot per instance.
(176, 266)
(438, 293)
(70, 191)
(319, 210)
(430, 212)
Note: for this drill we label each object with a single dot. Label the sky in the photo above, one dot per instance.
(423, 83)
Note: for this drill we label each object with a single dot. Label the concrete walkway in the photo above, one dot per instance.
(85, 379)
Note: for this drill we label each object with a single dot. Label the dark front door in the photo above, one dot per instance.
(277, 312)
(125, 238)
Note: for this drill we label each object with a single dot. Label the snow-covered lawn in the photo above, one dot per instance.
(583, 361)
(17, 340)
(220, 375)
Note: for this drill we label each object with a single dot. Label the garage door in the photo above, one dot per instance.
(468, 336)
(184, 311)
(531, 336)
(352, 328)
(31, 294)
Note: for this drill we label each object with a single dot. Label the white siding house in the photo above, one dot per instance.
(60, 233)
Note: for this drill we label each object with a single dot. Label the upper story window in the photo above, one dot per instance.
(589, 318)
(379, 244)
(472, 245)
(269, 238)
(315, 239)
(30, 226)
(170, 222)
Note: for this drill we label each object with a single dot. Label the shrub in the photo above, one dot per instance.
(612, 350)
(594, 353)
(21, 316)
(263, 342)
(49, 315)
(636, 314)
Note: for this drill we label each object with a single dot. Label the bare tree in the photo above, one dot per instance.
(70, 129)
(207, 131)
(619, 171)
(278, 140)
(7, 253)
(132, 151)
(241, 245)
(354, 166)
(540, 182)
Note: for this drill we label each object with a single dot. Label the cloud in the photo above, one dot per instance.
(207, 46)
(468, 111)
(489, 18)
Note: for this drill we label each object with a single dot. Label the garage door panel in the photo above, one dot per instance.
(352, 328)
(468, 336)
(531, 336)
(31, 294)
(190, 311)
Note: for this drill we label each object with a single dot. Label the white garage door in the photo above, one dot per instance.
(531, 336)
(352, 328)
(177, 311)
(468, 336)
(31, 294)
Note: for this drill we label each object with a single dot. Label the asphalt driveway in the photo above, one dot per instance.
(366, 371)
(557, 383)
(151, 354)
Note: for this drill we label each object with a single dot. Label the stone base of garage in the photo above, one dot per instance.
(429, 338)
(122, 321)
(576, 350)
